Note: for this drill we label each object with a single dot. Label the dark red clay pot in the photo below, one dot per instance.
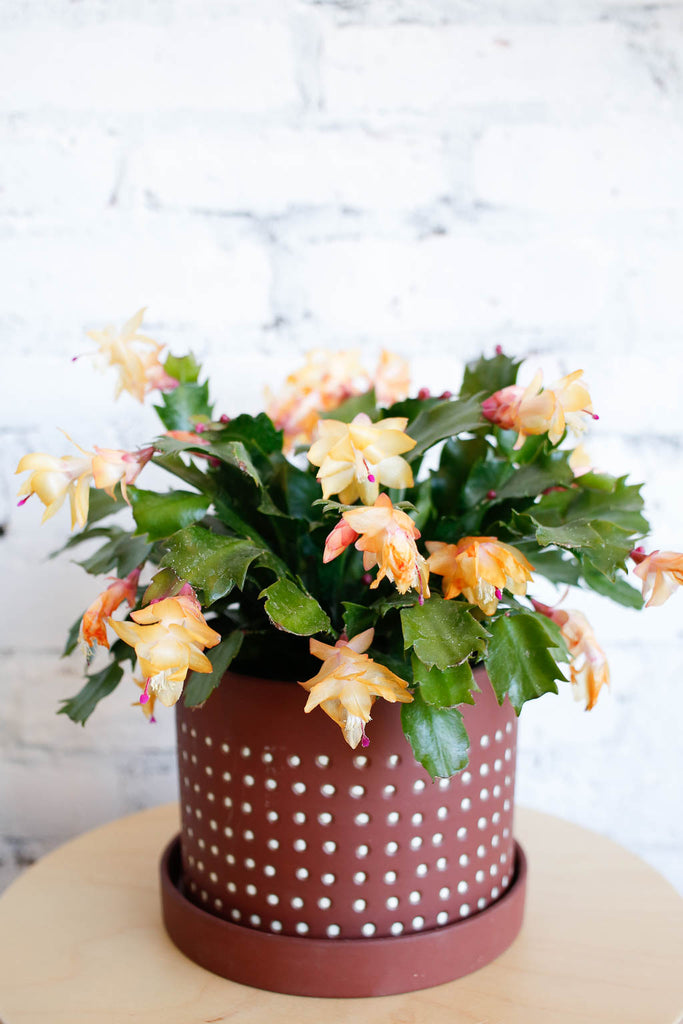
(309, 868)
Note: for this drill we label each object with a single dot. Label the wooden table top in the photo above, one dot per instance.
(81, 940)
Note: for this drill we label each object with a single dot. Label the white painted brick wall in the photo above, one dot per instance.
(429, 175)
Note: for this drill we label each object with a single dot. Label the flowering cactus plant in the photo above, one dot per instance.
(365, 544)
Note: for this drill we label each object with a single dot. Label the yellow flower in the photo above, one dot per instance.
(536, 410)
(392, 378)
(661, 572)
(580, 461)
(588, 666)
(387, 538)
(93, 624)
(321, 385)
(348, 684)
(480, 568)
(355, 458)
(169, 637)
(146, 705)
(135, 356)
(53, 479)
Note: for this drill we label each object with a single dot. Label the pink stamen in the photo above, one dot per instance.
(365, 742)
(499, 350)
(24, 500)
(152, 720)
(499, 593)
(144, 696)
(371, 478)
(593, 415)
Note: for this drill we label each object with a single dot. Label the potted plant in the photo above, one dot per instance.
(337, 594)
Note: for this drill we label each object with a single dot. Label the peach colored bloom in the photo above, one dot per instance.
(392, 378)
(588, 666)
(135, 356)
(321, 385)
(661, 572)
(387, 538)
(111, 467)
(169, 637)
(93, 625)
(580, 461)
(355, 458)
(536, 410)
(54, 479)
(480, 568)
(348, 684)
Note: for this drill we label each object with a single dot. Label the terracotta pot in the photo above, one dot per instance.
(287, 832)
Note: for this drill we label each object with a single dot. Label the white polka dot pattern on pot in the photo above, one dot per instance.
(344, 844)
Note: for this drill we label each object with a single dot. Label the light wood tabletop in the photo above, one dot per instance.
(81, 940)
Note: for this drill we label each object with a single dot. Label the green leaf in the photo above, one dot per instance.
(258, 431)
(358, 618)
(182, 368)
(210, 562)
(445, 419)
(99, 685)
(569, 535)
(442, 633)
(447, 688)
(72, 638)
(124, 552)
(618, 590)
(437, 736)
(185, 406)
(345, 412)
(534, 478)
(556, 565)
(293, 610)
(159, 515)
(489, 375)
(518, 661)
(163, 584)
(101, 505)
(201, 685)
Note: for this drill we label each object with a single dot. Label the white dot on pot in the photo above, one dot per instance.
(208, 769)
(197, 788)
(225, 747)
(464, 909)
(437, 839)
(497, 791)
(214, 850)
(503, 858)
(297, 902)
(276, 926)
(417, 923)
(231, 887)
(273, 844)
(272, 815)
(299, 845)
(506, 833)
(417, 819)
(301, 927)
(322, 760)
(466, 778)
(389, 791)
(325, 818)
(250, 863)
(357, 792)
(444, 893)
(301, 873)
(463, 860)
(328, 789)
(213, 825)
(324, 902)
(269, 870)
(333, 930)
(248, 835)
(508, 780)
(298, 788)
(497, 765)
(359, 905)
(390, 877)
(416, 842)
(359, 877)
(271, 784)
(362, 850)
(213, 876)
(294, 760)
(193, 734)
(230, 858)
(419, 785)
(328, 878)
(272, 899)
(481, 851)
(393, 760)
(251, 890)
(218, 904)
(493, 870)
(368, 928)
(485, 741)
(393, 817)
(482, 823)
(227, 777)
(506, 805)
(442, 917)
(248, 780)
(267, 757)
(193, 758)
(495, 841)
(362, 819)
(421, 870)
(442, 813)
(508, 754)
(484, 769)
(499, 735)
(484, 795)
(396, 928)
(495, 818)
(480, 876)
(184, 727)
(462, 888)
(508, 727)
(466, 804)
(444, 783)
(481, 902)
(245, 752)
(255, 920)
(415, 896)
(462, 833)
(360, 760)
(246, 808)
(329, 846)
(391, 848)
(299, 818)
(495, 892)
(505, 881)
(235, 914)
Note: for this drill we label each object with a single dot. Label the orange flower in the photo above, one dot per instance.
(93, 629)
(135, 356)
(392, 378)
(355, 458)
(111, 467)
(536, 410)
(387, 538)
(169, 637)
(324, 381)
(661, 572)
(588, 666)
(480, 568)
(348, 684)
